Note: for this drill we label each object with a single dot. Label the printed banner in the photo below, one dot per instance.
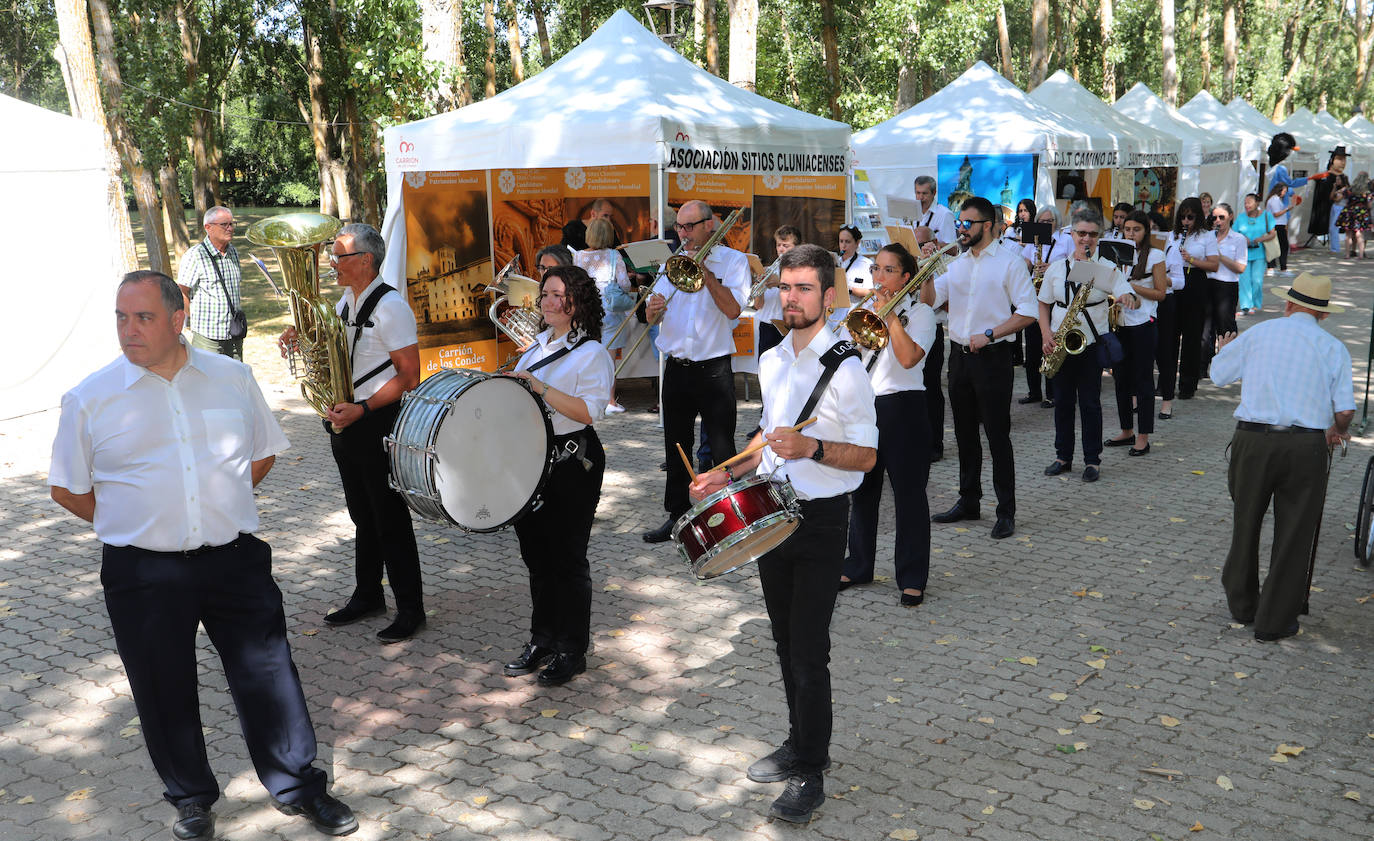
(753, 161)
(724, 193)
(1001, 179)
(814, 205)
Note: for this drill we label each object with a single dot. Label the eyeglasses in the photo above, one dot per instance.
(876, 269)
(1088, 234)
(227, 225)
(687, 226)
(965, 224)
(334, 258)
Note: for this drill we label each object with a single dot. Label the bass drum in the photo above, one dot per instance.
(471, 449)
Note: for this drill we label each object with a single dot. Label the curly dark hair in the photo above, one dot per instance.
(582, 296)
(905, 259)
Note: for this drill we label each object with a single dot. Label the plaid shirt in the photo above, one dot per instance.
(209, 309)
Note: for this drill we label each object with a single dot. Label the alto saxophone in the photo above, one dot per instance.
(1069, 338)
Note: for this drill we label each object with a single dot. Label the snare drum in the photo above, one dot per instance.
(737, 525)
(471, 449)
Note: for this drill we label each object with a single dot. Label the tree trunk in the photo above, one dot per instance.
(712, 40)
(145, 191)
(1106, 13)
(74, 33)
(830, 40)
(1364, 40)
(441, 36)
(204, 173)
(545, 48)
(793, 88)
(1040, 36)
(489, 18)
(364, 190)
(517, 52)
(1294, 59)
(1003, 43)
(744, 43)
(1228, 49)
(908, 77)
(585, 14)
(699, 28)
(1169, 79)
(321, 134)
(171, 203)
(1205, 46)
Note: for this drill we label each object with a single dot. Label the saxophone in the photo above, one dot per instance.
(1069, 338)
(320, 336)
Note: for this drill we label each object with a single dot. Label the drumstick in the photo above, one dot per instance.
(749, 451)
(690, 472)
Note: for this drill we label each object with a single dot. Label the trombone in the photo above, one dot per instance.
(686, 274)
(868, 328)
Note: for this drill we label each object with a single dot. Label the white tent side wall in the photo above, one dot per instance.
(53, 168)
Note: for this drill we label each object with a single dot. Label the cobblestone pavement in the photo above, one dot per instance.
(1041, 692)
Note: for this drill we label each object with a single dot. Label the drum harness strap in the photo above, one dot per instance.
(364, 313)
(830, 362)
(576, 443)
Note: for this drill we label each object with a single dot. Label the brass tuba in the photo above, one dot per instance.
(515, 304)
(321, 342)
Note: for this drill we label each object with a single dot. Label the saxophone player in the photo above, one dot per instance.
(1078, 382)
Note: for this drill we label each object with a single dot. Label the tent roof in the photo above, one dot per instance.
(36, 139)
(981, 113)
(1143, 145)
(1200, 146)
(1207, 112)
(1338, 128)
(617, 98)
(1318, 137)
(1361, 128)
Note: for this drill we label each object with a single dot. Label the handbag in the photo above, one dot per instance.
(1271, 247)
(1108, 347)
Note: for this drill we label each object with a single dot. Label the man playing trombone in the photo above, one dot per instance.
(696, 338)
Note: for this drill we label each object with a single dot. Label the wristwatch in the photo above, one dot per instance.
(988, 333)
(820, 450)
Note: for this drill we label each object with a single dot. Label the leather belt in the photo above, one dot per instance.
(204, 550)
(688, 363)
(1251, 426)
(996, 344)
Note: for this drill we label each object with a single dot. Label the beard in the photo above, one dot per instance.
(796, 319)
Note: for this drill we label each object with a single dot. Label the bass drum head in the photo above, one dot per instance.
(746, 546)
(492, 454)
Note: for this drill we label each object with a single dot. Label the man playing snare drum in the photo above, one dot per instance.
(823, 465)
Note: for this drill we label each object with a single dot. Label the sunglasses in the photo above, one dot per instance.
(1219, 216)
(1186, 216)
(965, 224)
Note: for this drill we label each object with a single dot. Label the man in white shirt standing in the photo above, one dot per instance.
(937, 217)
(385, 354)
(808, 375)
(696, 337)
(160, 451)
(1296, 402)
(990, 297)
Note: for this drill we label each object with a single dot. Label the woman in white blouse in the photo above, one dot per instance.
(1232, 255)
(858, 269)
(1134, 375)
(607, 269)
(569, 369)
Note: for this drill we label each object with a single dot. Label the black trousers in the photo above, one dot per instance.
(1134, 377)
(1035, 352)
(800, 579)
(1078, 385)
(904, 455)
(553, 542)
(1192, 312)
(691, 389)
(1219, 317)
(980, 395)
(935, 395)
(1289, 468)
(156, 600)
(1166, 345)
(384, 537)
(1282, 236)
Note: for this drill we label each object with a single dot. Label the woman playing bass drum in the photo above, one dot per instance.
(569, 369)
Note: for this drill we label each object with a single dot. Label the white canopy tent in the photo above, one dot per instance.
(1304, 159)
(1141, 145)
(1353, 139)
(979, 113)
(53, 169)
(1361, 128)
(620, 97)
(1321, 136)
(1209, 114)
(1211, 161)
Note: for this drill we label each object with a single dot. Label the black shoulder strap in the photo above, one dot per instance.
(219, 276)
(830, 362)
(364, 313)
(557, 355)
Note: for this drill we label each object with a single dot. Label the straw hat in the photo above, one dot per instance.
(1311, 291)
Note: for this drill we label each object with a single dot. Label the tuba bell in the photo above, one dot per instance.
(515, 304)
(327, 374)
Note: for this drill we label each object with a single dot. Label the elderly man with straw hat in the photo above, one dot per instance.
(1296, 402)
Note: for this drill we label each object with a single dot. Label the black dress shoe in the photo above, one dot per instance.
(1275, 636)
(1029, 399)
(1165, 415)
(804, 793)
(531, 659)
(1004, 527)
(194, 820)
(957, 513)
(353, 611)
(1091, 473)
(407, 622)
(1056, 467)
(562, 668)
(327, 813)
(1142, 451)
(660, 534)
(1119, 442)
(1047, 404)
(777, 766)
(909, 600)
(845, 585)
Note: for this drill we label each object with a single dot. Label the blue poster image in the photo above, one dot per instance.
(1001, 179)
